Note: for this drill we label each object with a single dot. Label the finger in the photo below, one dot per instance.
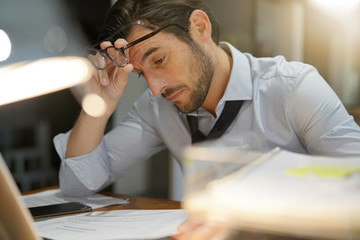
(116, 72)
(98, 59)
(105, 44)
(122, 43)
(128, 68)
(202, 232)
(120, 79)
(187, 226)
(119, 43)
(103, 77)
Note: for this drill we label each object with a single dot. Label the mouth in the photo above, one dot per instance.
(173, 96)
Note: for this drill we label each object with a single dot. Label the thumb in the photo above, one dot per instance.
(121, 76)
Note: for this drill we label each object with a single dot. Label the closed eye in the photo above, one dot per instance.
(160, 60)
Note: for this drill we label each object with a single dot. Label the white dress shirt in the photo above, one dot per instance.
(286, 104)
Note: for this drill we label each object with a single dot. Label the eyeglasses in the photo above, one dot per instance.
(117, 55)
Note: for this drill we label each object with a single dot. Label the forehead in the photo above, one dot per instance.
(153, 44)
(138, 31)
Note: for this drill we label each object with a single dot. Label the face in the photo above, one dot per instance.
(179, 71)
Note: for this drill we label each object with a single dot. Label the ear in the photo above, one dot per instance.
(200, 26)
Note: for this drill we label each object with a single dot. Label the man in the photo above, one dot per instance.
(284, 104)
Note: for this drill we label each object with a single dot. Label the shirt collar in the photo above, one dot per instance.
(240, 84)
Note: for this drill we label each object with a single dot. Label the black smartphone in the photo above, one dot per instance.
(58, 209)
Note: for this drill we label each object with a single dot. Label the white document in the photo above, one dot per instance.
(294, 181)
(50, 197)
(287, 193)
(117, 224)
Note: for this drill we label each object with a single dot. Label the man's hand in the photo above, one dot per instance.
(109, 84)
(195, 231)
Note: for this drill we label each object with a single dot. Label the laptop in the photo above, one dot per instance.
(16, 222)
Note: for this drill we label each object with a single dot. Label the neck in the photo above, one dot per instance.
(223, 65)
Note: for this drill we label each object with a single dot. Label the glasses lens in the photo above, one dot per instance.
(117, 56)
(97, 58)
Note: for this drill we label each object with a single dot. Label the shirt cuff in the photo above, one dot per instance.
(90, 169)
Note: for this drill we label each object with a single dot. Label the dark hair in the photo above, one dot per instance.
(156, 12)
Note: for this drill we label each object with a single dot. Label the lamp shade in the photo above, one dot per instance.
(42, 49)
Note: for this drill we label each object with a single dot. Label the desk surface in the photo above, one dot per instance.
(142, 203)
(134, 202)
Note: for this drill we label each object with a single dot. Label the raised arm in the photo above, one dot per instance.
(109, 84)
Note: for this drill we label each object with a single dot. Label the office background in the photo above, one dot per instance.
(326, 36)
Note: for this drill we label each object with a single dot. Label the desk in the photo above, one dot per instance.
(152, 203)
(155, 220)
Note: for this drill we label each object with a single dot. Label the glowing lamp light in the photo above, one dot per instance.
(41, 50)
(24, 80)
(5, 46)
(335, 5)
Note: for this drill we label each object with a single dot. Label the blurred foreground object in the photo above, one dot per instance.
(279, 192)
(40, 50)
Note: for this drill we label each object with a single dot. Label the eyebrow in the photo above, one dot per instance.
(148, 53)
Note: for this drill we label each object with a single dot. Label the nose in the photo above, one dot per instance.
(157, 85)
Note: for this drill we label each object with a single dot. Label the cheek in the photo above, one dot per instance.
(180, 71)
(177, 71)
(169, 75)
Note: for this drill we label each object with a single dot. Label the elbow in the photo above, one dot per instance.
(71, 191)
(71, 186)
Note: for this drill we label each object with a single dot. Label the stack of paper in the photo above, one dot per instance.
(110, 225)
(286, 193)
(54, 196)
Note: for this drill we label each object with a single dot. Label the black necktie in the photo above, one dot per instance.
(227, 116)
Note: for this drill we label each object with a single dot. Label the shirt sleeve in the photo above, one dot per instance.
(320, 118)
(75, 173)
(131, 141)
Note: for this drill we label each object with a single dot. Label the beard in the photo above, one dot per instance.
(201, 70)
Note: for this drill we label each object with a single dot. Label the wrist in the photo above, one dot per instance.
(99, 118)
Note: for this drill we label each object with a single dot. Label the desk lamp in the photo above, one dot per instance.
(40, 52)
